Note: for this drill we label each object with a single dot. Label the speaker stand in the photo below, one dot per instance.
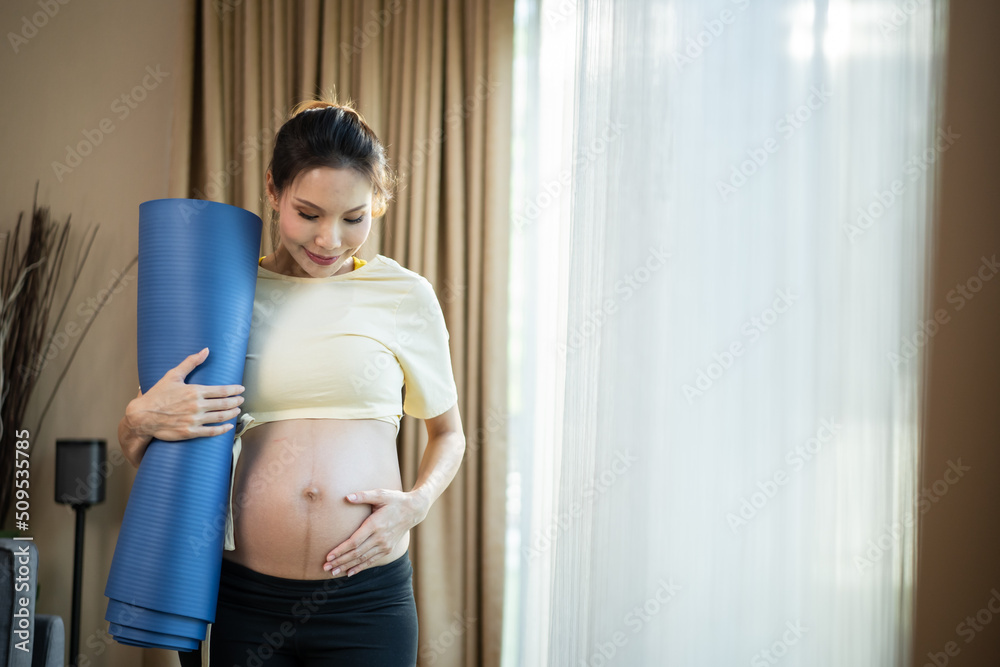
(74, 632)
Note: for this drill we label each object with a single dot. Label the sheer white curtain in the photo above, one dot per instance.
(721, 246)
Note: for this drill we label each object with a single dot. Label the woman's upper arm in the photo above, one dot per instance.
(449, 421)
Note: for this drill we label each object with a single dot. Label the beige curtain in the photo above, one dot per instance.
(433, 79)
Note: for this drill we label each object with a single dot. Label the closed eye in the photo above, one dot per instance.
(313, 217)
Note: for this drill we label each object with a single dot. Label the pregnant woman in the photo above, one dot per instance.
(316, 567)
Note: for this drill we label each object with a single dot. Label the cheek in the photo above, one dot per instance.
(358, 233)
(290, 228)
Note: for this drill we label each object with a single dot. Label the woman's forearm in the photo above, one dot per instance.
(132, 442)
(440, 463)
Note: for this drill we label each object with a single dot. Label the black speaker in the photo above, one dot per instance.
(80, 471)
(80, 475)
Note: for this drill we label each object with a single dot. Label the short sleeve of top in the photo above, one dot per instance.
(421, 342)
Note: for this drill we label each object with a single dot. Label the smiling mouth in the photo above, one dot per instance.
(320, 259)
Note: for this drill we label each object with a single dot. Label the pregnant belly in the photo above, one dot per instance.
(289, 505)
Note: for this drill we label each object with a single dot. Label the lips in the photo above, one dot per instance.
(320, 259)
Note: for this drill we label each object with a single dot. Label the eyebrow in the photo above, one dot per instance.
(320, 208)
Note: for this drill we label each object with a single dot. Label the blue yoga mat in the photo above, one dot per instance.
(196, 282)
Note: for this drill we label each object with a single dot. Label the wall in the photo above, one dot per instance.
(65, 79)
(959, 558)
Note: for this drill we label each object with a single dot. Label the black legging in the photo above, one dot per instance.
(263, 621)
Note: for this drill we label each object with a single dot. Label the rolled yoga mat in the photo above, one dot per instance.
(196, 282)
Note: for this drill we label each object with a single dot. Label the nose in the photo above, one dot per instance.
(328, 236)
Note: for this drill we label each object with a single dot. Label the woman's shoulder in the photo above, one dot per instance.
(397, 270)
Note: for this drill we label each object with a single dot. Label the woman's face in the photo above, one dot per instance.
(324, 217)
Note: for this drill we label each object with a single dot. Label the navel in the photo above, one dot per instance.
(311, 493)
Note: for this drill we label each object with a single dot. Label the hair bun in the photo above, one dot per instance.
(322, 104)
(313, 105)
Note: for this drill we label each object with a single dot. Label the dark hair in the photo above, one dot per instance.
(323, 133)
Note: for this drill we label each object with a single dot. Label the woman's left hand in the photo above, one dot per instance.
(394, 513)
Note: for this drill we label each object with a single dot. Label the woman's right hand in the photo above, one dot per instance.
(173, 410)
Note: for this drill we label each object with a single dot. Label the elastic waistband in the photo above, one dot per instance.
(380, 576)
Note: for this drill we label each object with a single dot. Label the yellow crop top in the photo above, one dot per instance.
(367, 344)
